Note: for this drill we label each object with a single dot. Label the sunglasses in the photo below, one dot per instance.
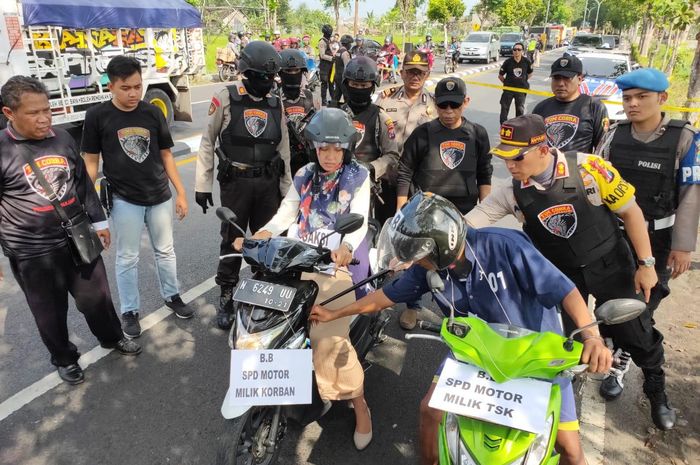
(446, 105)
(521, 157)
(517, 49)
(415, 72)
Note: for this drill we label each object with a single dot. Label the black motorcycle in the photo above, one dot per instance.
(278, 264)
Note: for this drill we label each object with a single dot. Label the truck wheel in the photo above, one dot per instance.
(161, 100)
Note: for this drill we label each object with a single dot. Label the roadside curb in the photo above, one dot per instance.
(466, 72)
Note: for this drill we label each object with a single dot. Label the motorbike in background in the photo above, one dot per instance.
(498, 360)
(226, 64)
(387, 66)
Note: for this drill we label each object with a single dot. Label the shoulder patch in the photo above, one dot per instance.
(241, 89)
(215, 103)
(390, 128)
(390, 91)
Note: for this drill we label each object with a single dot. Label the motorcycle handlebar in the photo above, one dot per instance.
(429, 326)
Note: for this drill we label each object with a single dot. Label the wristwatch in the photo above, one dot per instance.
(648, 262)
(348, 246)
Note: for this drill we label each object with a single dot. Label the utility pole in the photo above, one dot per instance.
(546, 16)
(357, 17)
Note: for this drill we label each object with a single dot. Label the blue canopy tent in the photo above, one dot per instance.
(99, 14)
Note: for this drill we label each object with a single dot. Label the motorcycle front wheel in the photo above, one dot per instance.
(226, 73)
(250, 433)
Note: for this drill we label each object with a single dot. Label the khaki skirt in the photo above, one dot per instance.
(339, 374)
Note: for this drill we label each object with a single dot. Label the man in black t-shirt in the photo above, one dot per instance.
(31, 233)
(135, 144)
(515, 72)
(574, 121)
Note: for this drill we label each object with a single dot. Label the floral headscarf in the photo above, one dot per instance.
(325, 196)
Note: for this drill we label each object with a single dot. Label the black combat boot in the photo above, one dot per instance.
(663, 416)
(224, 315)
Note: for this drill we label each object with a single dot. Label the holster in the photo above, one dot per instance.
(106, 196)
(225, 167)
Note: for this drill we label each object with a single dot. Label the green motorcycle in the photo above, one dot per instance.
(501, 405)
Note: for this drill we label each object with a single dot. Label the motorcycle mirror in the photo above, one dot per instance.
(435, 282)
(348, 223)
(616, 311)
(226, 215)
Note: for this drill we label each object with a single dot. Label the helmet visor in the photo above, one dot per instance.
(411, 249)
(338, 145)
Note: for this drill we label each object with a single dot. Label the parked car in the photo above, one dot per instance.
(609, 42)
(507, 41)
(600, 70)
(585, 43)
(480, 46)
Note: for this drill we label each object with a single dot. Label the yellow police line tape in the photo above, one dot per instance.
(549, 94)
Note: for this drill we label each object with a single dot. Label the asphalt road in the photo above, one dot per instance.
(162, 407)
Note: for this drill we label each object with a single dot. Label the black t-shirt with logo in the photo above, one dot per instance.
(516, 72)
(130, 143)
(577, 125)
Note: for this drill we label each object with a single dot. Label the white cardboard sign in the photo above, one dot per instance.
(469, 391)
(270, 377)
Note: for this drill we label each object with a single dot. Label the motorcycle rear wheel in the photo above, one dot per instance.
(251, 431)
(226, 73)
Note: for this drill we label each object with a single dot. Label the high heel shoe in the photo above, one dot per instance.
(362, 440)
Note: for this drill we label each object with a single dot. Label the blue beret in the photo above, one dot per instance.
(644, 78)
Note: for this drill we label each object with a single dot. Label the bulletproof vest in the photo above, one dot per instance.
(561, 222)
(366, 124)
(296, 110)
(650, 167)
(255, 129)
(325, 65)
(339, 64)
(449, 168)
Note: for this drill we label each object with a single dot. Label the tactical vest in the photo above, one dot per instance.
(339, 64)
(255, 129)
(449, 168)
(561, 222)
(650, 167)
(324, 66)
(295, 110)
(366, 123)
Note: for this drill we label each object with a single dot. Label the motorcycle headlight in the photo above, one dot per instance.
(459, 455)
(540, 445)
(256, 341)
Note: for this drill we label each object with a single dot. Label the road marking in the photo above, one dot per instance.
(201, 101)
(52, 380)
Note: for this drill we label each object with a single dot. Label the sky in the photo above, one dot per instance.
(379, 7)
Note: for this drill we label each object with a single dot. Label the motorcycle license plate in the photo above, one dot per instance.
(263, 294)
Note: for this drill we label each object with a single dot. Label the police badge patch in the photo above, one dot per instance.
(517, 72)
(135, 143)
(295, 113)
(452, 153)
(255, 121)
(56, 171)
(561, 129)
(560, 220)
(361, 129)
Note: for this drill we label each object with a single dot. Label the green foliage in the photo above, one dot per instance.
(517, 12)
(445, 10)
(307, 20)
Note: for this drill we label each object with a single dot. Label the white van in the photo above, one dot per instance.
(480, 46)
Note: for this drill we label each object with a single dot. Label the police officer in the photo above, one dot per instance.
(377, 145)
(569, 205)
(449, 155)
(340, 60)
(657, 155)
(574, 121)
(326, 61)
(297, 102)
(248, 132)
(410, 104)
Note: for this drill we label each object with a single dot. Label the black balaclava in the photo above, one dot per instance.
(257, 85)
(359, 99)
(291, 84)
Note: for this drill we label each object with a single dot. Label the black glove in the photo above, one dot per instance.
(202, 198)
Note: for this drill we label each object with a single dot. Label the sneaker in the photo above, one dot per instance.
(613, 383)
(130, 324)
(124, 346)
(181, 309)
(71, 374)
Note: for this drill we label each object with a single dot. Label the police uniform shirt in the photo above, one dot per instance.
(385, 135)
(29, 226)
(516, 73)
(219, 119)
(407, 115)
(577, 125)
(527, 285)
(688, 174)
(603, 184)
(324, 50)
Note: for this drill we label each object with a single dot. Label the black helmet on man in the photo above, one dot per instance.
(346, 40)
(430, 227)
(293, 58)
(332, 126)
(326, 30)
(362, 69)
(259, 63)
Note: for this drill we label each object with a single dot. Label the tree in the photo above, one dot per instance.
(515, 12)
(336, 5)
(444, 11)
(407, 11)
